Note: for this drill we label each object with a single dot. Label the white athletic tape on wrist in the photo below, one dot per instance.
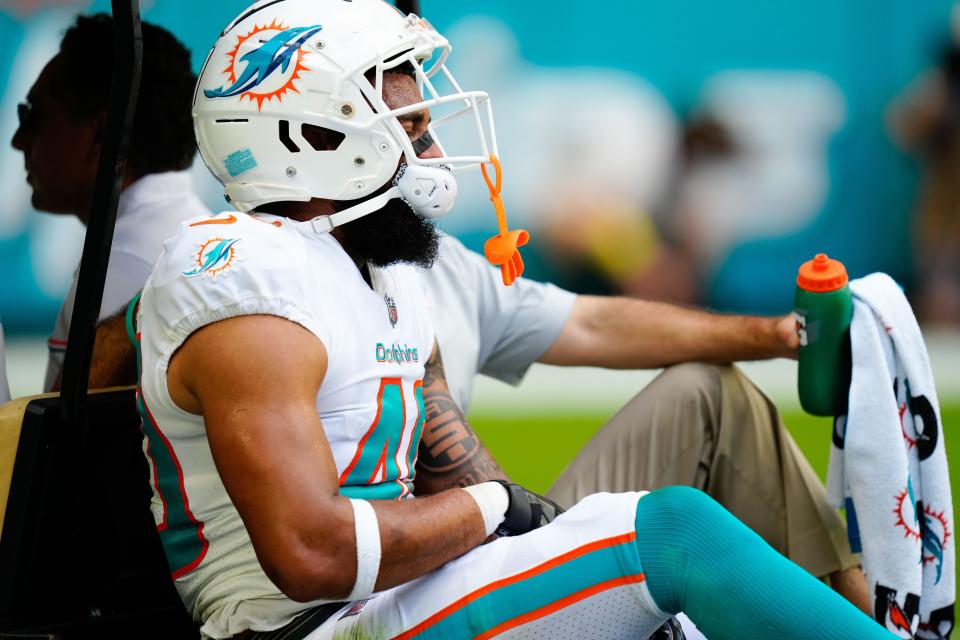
(368, 549)
(493, 500)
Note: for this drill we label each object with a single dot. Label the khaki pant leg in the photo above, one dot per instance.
(708, 427)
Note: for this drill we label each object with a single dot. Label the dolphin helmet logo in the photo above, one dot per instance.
(270, 70)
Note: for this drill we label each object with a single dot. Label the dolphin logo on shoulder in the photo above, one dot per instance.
(214, 256)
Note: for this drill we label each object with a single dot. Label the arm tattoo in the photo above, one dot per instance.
(450, 453)
(433, 371)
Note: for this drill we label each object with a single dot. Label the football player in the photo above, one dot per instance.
(697, 424)
(290, 375)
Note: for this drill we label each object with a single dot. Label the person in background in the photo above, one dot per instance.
(60, 135)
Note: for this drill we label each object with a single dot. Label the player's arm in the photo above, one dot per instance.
(114, 360)
(450, 454)
(259, 407)
(626, 333)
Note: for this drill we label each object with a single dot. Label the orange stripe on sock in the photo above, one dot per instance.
(553, 607)
(503, 582)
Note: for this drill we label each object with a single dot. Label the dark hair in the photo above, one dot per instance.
(162, 136)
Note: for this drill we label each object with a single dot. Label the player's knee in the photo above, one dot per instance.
(691, 523)
(680, 500)
(682, 509)
(682, 496)
(669, 540)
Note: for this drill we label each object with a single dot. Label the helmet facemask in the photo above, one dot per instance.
(452, 109)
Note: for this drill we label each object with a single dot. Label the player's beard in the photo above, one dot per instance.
(390, 235)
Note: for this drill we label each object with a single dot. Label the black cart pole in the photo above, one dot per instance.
(124, 86)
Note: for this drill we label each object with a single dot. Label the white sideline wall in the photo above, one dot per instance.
(560, 388)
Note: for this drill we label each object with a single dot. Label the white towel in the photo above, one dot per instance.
(888, 467)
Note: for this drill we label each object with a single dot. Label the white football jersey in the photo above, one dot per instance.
(371, 401)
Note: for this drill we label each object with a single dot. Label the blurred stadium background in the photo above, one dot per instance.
(691, 151)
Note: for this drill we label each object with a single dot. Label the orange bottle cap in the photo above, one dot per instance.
(822, 274)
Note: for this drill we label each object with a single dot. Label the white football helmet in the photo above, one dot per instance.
(284, 65)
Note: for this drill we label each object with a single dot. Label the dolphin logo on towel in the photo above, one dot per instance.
(934, 533)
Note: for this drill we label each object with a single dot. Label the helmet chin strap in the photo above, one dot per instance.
(325, 224)
(429, 190)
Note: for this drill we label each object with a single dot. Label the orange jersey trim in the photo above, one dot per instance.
(553, 607)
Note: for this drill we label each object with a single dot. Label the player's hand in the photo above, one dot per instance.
(527, 511)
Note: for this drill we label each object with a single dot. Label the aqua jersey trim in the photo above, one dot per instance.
(130, 324)
(181, 533)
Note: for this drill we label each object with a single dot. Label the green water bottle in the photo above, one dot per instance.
(824, 310)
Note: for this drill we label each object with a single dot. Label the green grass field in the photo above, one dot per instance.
(556, 438)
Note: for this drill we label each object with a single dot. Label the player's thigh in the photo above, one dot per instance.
(579, 577)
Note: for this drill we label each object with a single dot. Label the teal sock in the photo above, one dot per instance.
(701, 560)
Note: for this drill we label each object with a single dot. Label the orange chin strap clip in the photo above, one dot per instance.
(502, 250)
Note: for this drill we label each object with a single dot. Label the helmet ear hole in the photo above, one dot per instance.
(321, 138)
(286, 139)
